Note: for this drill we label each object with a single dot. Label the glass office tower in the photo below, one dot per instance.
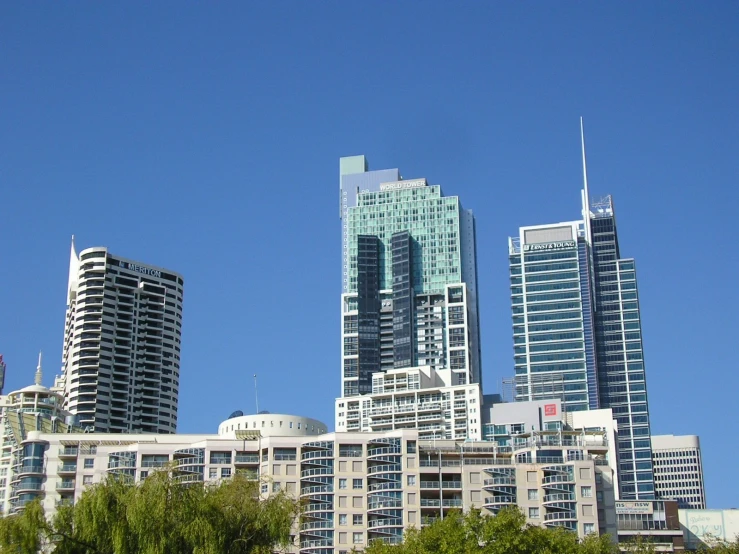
(409, 278)
(577, 330)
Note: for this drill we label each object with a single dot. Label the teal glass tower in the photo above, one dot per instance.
(409, 278)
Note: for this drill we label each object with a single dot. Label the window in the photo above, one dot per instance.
(410, 447)
(342, 519)
(350, 450)
(586, 492)
(87, 480)
(225, 472)
(357, 519)
(411, 480)
(276, 487)
(357, 538)
(144, 474)
(588, 528)
(265, 488)
(89, 463)
(342, 483)
(533, 494)
(533, 513)
(357, 484)
(93, 449)
(285, 454)
(213, 473)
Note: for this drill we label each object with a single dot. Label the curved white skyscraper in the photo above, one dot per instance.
(121, 355)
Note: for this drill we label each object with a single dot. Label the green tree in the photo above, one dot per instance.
(505, 533)
(157, 516)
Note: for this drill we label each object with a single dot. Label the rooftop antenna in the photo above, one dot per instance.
(585, 192)
(39, 374)
(256, 392)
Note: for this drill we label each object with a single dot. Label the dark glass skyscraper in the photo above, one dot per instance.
(577, 331)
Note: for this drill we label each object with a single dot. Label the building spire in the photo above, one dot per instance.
(74, 264)
(585, 191)
(39, 373)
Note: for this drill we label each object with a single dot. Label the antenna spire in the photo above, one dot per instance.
(585, 192)
(256, 393)
(39, 373)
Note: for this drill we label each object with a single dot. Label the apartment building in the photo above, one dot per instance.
(122, 336)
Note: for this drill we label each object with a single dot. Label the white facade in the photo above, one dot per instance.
(421, 398)
(705, 528)
(121, 355)
(32, 408)
(355, 487)
(678, 470)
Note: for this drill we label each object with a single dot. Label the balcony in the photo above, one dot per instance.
(562, 497)
(445, 503)
(559, 516)
(387, 522)
(65, 485)
(246, 459)
(317, 525)
(67, 468)
(500, 500)
(68, 452)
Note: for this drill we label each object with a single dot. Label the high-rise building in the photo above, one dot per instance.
(577, 330)
(32, 408)
(678, 470)
(121, 354)
(2, 373)
(409, 256)
(409, 297)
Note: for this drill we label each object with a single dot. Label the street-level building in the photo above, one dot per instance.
(122, 336)
(706, 528)
(656, 522)
(678, 470)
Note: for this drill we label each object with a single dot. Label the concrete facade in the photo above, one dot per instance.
(678, 470)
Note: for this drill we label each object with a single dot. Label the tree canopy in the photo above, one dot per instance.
(160, 515)
(508, 533)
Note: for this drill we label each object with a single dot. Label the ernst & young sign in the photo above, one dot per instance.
(546, 246)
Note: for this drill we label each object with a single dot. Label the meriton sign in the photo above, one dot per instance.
(141, 269)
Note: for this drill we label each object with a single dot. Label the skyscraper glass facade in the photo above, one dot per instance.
(410, 279)
(622, 382)
(577, 331)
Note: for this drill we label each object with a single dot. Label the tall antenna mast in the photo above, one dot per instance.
(256, 393)
(585, 192)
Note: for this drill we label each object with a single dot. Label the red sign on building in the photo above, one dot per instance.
(550, 409)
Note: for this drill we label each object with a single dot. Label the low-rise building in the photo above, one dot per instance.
(355, 487)
(655, 521)
(704, 528)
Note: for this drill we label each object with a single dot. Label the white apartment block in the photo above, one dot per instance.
(678, 470)
(121, 354)
(421, 398)
(31, 408)
(355, 487)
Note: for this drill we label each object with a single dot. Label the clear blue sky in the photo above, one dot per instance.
(205, 138)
